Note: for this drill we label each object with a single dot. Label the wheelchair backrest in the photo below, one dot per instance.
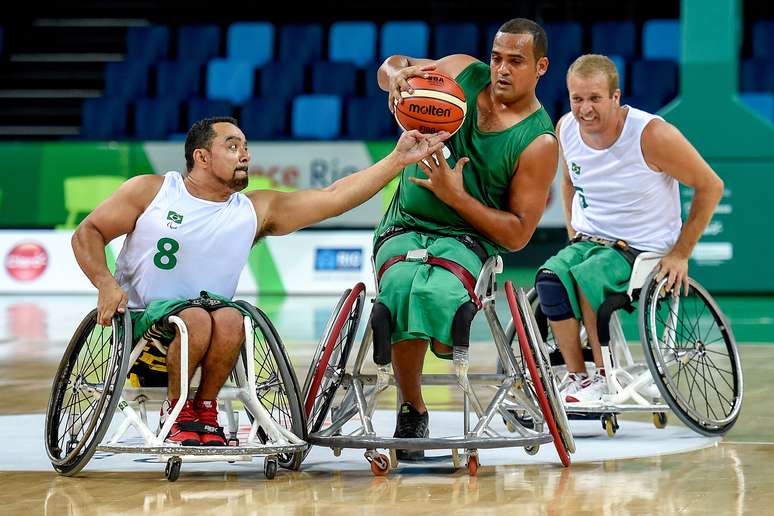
(643, 266)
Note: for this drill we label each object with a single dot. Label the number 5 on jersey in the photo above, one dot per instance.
(165, 258)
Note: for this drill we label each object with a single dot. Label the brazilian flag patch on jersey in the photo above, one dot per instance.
(174, 217)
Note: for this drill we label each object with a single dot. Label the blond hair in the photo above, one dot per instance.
(591, 64)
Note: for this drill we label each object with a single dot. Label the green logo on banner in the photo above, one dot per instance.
(575, 168)
(174, 217)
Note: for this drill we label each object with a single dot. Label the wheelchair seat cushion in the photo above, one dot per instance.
(423, 299)
(597, 270)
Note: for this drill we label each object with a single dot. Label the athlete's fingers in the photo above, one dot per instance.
(426, 183)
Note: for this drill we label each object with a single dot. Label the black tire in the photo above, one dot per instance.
(89, 380)
(333, 348)
(699, 374)
(276, 383)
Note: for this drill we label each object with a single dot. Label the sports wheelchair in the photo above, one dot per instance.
(337, 394)
(691, 364)
(91, 383)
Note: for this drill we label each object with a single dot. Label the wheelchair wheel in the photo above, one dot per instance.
(330, 359)
(692, 355)
(541, 375)
(86, 391)
(275, 382)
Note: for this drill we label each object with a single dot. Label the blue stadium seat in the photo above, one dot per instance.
(613, 37)
(552, 87)
(489, 34)
(156, 119)
(178, 80)
(198, 43)
(230, 79)
(334, 78)
(264, 118)
(149, 44)
(620, 64)
(352, 41)
(763, 39)
(649, 103)
(252, 42)
(369, 119)
(370, 81)
(126, 80)
(103, 119)
(455, 38)
(282, 80)
(761, 103)
(407, 38)
(2, 40)
(301, 43)
(661, 40)
(316, 117)
(758, 75)
(206, 108)
(654, 78)
(565, 42)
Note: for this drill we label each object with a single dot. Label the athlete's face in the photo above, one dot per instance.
(230, 158)
(592, 104)
(515, 71)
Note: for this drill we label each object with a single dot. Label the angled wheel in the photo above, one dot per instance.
(330, 359)
(692, 355)
(86, 390)
(275, 383)
(541, 374)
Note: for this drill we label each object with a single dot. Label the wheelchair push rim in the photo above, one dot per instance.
(691, 351)
(88, 381)
(326, 371)
(551, 410)
(276, 385)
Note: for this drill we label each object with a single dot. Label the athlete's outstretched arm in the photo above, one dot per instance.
(527, 195)
(666, 149)
(114, 217)
(280, 213)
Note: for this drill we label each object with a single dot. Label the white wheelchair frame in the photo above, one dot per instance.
(133, 403)
(512, 388)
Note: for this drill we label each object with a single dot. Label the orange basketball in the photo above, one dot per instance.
(437, 104)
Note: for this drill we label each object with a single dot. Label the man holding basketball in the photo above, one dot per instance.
(188, 238)
(484, 199)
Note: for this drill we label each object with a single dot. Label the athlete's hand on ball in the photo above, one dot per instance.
(446, 183)
(399, 82)
(111, 299)
(675, 267)
(413, 146)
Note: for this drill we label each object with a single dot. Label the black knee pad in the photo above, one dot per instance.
(381, 326)
(461, 324)
(553, 297)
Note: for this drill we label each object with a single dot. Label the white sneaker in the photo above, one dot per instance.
(591, 390)
(571, 383)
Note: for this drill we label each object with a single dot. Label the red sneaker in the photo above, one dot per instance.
(207, 415)
(179, 434)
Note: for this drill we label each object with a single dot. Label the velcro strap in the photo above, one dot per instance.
(202, 428)
(465, 277)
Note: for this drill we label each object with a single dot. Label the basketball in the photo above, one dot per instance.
(437, 104)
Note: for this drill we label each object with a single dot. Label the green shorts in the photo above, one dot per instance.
(151, 367)
(422, 298)
(597, 270)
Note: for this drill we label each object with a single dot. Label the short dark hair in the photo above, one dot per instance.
(200, 136)
(525, 26)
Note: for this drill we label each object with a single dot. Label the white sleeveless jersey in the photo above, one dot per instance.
(182, 245)
(617, 195)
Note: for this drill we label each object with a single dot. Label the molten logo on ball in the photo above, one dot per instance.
(429, 110)
(26, 261)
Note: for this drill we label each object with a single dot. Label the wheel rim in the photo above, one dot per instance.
(695, 355)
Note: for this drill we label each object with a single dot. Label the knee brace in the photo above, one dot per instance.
(380, 324)
(553, 297)
(461, 324)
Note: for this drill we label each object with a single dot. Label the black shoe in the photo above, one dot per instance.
(411, 424)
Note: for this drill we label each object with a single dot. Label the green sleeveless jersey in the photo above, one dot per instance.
(487, 177)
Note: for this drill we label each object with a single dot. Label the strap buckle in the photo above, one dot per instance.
(417, 255)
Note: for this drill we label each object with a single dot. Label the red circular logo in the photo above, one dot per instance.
(26, 261)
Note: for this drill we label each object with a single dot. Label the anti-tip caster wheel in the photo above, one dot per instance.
(610, 424)
(380, 464)
(660, 420)
(172, 471)
(270, 467)
(473, 465)
(532, 450)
